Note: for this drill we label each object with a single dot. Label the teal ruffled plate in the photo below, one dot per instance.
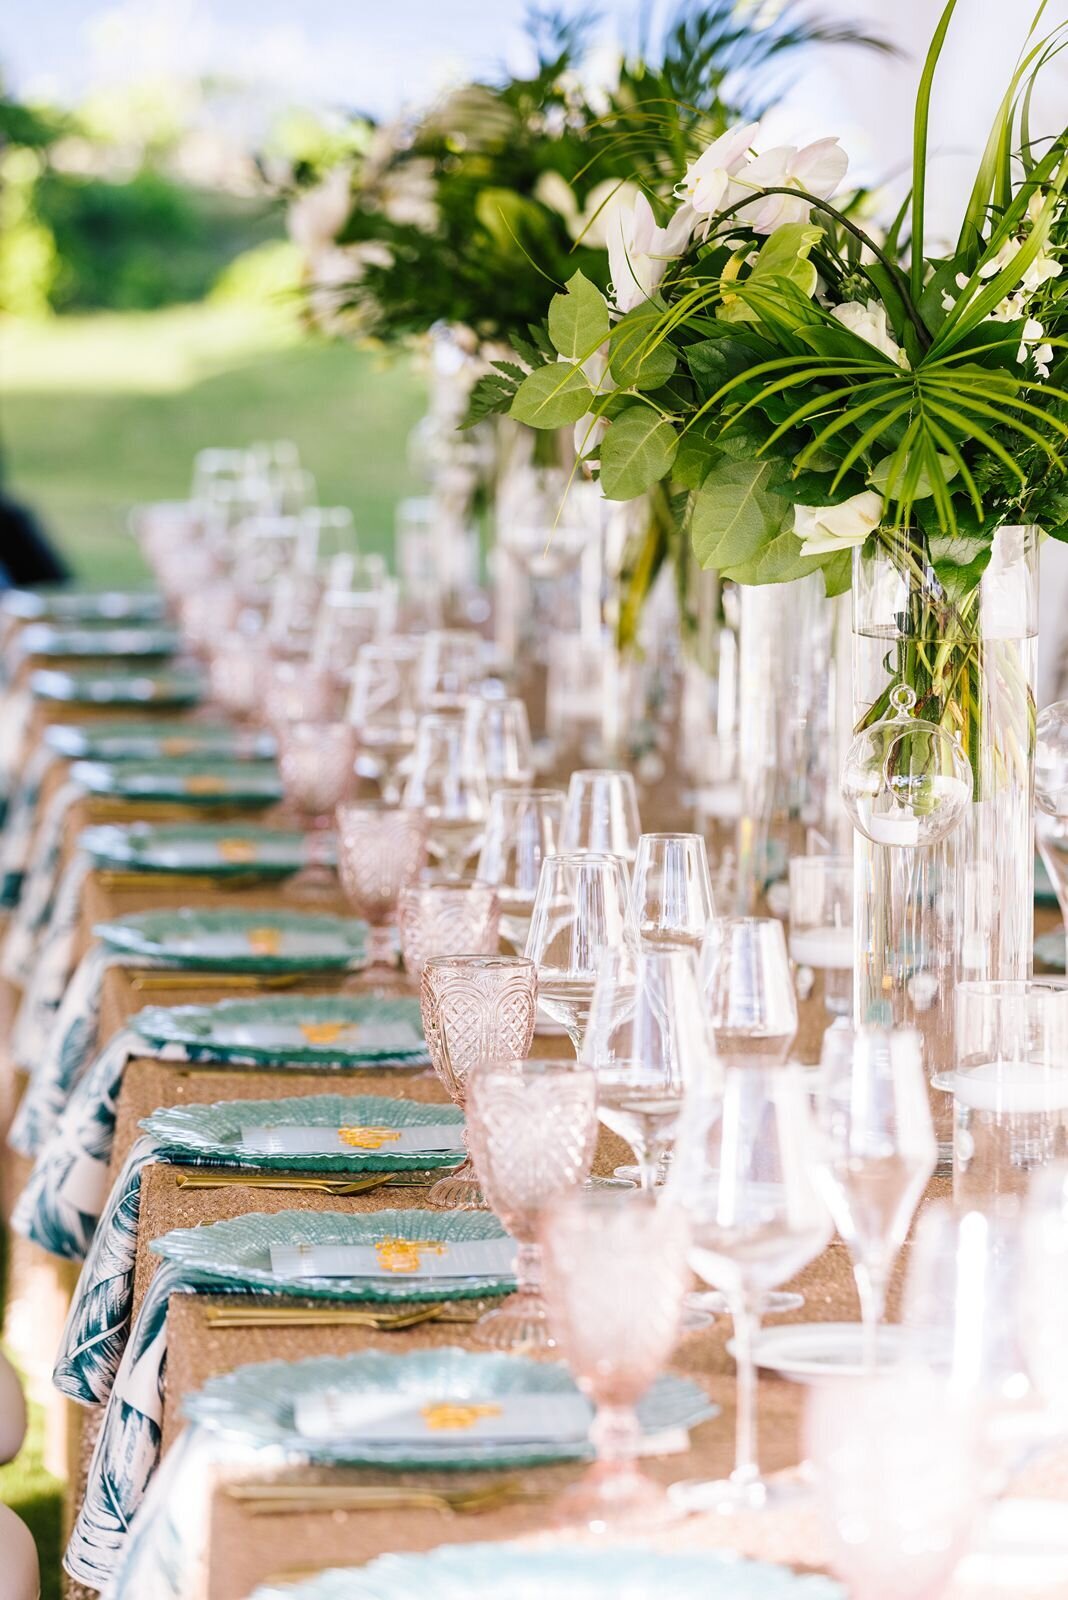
(237, 1254)
(165, 688)
(191, 781)
(83, 605)
(214, 1132)
(281, 1030)
(155, 741)
(565, 1572)
(48, 639)
(258, 1403)
(215, 848)
(240, 941)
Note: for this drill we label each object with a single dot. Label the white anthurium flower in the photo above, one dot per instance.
(554, 191)
(707, 184)
(868, 320)
(825, 530)
(817, 168)
(316, 217)
(592, 226)
(591, 429)
(639, 251)
(409, 196)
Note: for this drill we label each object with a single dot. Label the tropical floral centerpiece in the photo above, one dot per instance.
(809, 386)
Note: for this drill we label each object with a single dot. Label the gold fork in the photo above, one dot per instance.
(339, 1316)
(320, 1185)
(289, 1499)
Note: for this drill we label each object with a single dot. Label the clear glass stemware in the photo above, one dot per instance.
(671, 889)
(522, 828)
(749, 991)
(581, 910)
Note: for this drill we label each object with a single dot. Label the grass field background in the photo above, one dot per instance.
(100, 412)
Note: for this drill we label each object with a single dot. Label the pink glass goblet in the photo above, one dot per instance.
(615, 1274)
(475, 1008)
(316, 761)
(532, 1132)
(447, 919)
(380, 850)
(297, 691)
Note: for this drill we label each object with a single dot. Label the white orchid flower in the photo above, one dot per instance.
(868, 320)
(825, 530)
(708, 180)
(817, 168)
(316, 217)
(639, 251)
(588, 224)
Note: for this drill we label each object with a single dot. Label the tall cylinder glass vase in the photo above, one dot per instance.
(928, 915)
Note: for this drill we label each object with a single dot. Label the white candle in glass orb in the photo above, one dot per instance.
(1021, 1088)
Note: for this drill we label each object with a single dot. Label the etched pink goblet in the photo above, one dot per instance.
(380, 850)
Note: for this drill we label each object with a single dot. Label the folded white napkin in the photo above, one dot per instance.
(293, 1140)
(396, 1258)
(445, 1420)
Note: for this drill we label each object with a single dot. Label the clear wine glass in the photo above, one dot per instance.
(347, 621)
(648, 1043)
(502, 728)
(475, 1008)
(532, 1131)
(615, 1273)
(580, 910)
(382, 708)
(450, 665)
(447, 783)
(671, 889)
(602, 814)
(899, 1469)
(749, 991)
(380, 850)
(821, 931)
(742, 1170)
(522, 828)
(874, 1153)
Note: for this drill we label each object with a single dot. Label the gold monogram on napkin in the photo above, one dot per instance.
(368, 1138)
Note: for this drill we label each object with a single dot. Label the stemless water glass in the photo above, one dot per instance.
(899, 1470)
(316, 761)
(580, 911)
(874, 1153)
(522, 828)
(648, 1042)
(447, 919)
(742, 1170)
(532, 1132)
(1010, 1087)
(475, 1008)
(749, 991)
(601, 814)
(380, 850)
(503, 731)
(671, 890)
(447, 783)
(615, 1275)
(821, 930)
(382, 708)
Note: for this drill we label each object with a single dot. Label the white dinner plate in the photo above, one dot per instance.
(806, 1351)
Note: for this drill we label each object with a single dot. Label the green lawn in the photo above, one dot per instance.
(100, 412)
(28, 1489)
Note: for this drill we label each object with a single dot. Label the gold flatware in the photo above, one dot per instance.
(289, 1499)
(321, 1185)
(339, 1316)
(113, 878)
(162, 978)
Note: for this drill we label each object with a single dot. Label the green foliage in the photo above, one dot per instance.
(578, 320)
(552, 396)
(637, 452)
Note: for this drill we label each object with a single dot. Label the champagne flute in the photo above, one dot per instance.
(671, 891)
(648, 1042)
(522, 828)
(742, 1172)
(874, 1152)
(580, 911)
(749, 991)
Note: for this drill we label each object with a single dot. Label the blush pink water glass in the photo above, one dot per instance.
(532, 1132)
(447, 919)
(475, 1008)
(615, 1274)
(380, 850)
(317, 762)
